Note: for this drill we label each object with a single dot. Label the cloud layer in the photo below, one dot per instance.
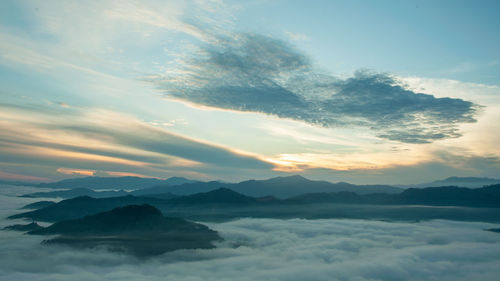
(270, 249)
(109, 141)
(250, 72)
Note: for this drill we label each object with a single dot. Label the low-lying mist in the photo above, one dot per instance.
(272, 249)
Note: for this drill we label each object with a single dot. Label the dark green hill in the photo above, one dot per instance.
(488, 196)
(38, 205)
(81, 206)
(84, 205)
(141, 230)
(24, 227)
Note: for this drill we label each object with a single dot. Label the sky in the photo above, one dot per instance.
(394, 92)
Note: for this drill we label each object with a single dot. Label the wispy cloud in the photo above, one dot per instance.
(110, 141)
(19, 177)
(297, 36)
(250, 72)
(66, 171)
(71, 59)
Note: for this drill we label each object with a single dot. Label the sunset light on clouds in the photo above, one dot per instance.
(276, 140)
(230, 91)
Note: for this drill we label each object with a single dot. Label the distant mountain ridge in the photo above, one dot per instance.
(24, 227)
(75, 192)
(155, 186)
(218, 196)
(470, 182)
(126, 183)
(488, 196)
(85, 205)
(281, 187)
(38, 205)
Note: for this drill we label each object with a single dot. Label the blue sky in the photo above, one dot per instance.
(359, 91)
(445, 39)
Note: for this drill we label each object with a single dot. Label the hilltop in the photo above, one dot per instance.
(140, 230)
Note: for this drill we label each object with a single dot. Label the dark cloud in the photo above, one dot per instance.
(250, 72)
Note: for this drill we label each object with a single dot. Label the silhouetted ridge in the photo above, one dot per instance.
(281, 187)
(452, 195)
(470, 182)
(220, 196)
(336, 197)
(75, 192)
(227, 203)
(294, 178)
(488, 196)
(24, 227)
(39, 205)
(82, 206)
(497, 230)
(141, 230)
(128, 218)
(127, 182)
(267, 199)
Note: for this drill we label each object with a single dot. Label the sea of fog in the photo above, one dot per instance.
(271, 249)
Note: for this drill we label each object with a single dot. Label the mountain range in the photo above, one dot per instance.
(471, 182)
(281, 187)
(127, 183)
(226, 203)
(155, 185)
(75, 192)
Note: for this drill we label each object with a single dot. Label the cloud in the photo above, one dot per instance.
(67, 171)
(93, 139)
(256, 73)
(271, 249)
(18, 177)
(297, 36)
(436, 166)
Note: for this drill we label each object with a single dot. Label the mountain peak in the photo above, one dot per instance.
(289, 178)
(222, 190)
(144, 210)
(296, 177)
(220, 195)
(177, 178)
